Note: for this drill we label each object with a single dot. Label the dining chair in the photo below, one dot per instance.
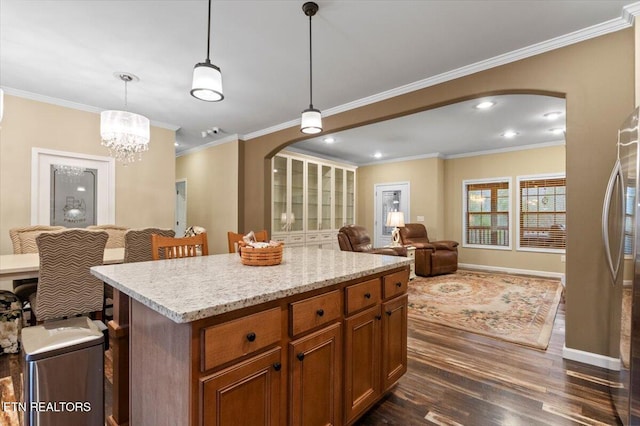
(137, 243)
(23, 240)
(66, 286)
(233, 239)
(170, 248)
(116, 234)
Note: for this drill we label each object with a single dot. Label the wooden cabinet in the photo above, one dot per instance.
(245, 394)
(315, 367)
(394, 340)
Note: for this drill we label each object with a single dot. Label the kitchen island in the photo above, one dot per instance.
(317, 339)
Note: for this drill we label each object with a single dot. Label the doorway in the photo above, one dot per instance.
(389, 197)
(181, 207)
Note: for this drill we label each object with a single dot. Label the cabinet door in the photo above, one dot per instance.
(394, 340)
(326, 198)
(338, 196)
(362, 361)
(246, 394)
(279, 195)
(315, 378)
(351, 197)
(313, 195)
(296, 218)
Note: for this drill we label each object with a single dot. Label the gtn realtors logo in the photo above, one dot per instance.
(52, 407)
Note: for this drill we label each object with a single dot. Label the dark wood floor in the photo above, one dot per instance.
(460, 378)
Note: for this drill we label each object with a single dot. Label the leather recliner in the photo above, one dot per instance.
(432, 257)
(356, 238)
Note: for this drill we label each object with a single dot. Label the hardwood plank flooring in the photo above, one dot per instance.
(460, 378)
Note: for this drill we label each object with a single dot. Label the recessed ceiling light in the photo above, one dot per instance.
(176, 144)
(81, 189)
(329, 140)
(485, 105)
(552, 115)
(557, 130)
(378, 155)
(510, 134)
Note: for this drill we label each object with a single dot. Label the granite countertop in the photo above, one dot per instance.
(185, 290)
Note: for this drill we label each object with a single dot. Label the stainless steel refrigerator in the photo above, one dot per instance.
(620, 220)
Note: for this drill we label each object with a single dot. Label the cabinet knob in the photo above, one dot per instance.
(277, 366)
(389, 313)
(300, 356)
(320, 312)
(398, 284)
(378, 317)
(367, 295)
(251, 336)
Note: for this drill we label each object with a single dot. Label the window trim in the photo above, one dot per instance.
(540, 176)
(465, 182)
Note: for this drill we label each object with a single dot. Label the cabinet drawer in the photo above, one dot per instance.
(230, 340)
(327, 236)
(312, 238)
(362, 295)
(314, 312)
(395, 284)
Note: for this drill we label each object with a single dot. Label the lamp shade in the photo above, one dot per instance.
(311, 121)
(395, 219)
(207, 82)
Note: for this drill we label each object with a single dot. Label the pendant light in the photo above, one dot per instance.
(207, 78)
(311, 118)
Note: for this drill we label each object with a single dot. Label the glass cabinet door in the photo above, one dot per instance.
(338, 195)
(351, 197)
(296, 217)
(312, 197)
(326, 198)
(279, 194)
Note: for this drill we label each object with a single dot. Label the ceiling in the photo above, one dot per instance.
(67, 52)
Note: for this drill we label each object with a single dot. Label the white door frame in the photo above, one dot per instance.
(380, 238)
(181, 210)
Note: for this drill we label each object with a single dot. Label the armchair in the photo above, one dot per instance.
(356, 238)
(432, 257)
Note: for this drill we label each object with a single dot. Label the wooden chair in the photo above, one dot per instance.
(116, 234)
(234, 238)
(66, 286)
(170, 248)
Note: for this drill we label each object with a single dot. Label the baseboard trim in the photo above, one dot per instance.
(545, 274)
(591, 358)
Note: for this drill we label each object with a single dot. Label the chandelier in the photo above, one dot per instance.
(125, 134)
(311, 118)
(68, 171)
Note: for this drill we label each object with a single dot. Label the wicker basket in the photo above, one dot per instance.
(267, 256)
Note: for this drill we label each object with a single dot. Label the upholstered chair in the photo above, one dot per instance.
(116, 234)
(356, 238)
(137, 243)
(66, 286)
(432, 257)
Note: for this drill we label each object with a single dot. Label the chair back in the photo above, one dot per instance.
(66, 286)
(354, 238)
(234, 238)
(171, 248)
(413, 234)
(116, 234)
(137, 243)
(24, 238)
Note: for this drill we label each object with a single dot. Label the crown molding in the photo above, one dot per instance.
(503, 150)
(397, 160)
(624, 21)
(226, 139)
(74, 105)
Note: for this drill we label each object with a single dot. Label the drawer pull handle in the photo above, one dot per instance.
(251, 336)
(367, 295)
(300, 356)
(378, 317)
(389, 313)
(320, 312)
(398, 284)
(277, 366)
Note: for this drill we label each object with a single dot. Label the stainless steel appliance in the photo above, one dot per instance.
(620, 223)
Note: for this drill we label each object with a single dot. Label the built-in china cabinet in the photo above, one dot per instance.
(311, 198)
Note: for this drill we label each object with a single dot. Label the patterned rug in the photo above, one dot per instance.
(514, 308)
(8, 417)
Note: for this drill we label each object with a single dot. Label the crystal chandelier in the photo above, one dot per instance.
(125, 134)
(68, 171)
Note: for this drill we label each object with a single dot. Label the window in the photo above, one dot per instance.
(543, 212)
(486, 220)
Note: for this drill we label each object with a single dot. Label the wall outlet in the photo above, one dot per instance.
(563, 258)
(420, 218)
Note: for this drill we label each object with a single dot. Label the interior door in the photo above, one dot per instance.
(181, 208)
(389, 197)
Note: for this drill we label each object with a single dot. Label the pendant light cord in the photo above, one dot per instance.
(310, 68)
(208, 31)
(125, 93)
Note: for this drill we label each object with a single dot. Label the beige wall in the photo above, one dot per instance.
(507, 164)
(597, 79)
(212, 191)
(145, 191)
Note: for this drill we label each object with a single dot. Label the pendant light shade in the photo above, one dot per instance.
(311, 122)
(207, 78)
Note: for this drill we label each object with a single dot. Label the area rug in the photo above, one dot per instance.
(8, 417)
(515, 308)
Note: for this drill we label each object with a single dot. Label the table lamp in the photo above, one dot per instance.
(395, 219)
